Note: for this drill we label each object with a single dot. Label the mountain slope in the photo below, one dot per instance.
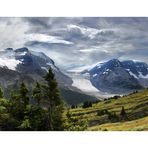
(75, 97)
(134, 125)
(99, 118)
(138, 70)
(10, 79)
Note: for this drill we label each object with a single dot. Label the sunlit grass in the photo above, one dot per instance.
(136, 107)
(135, 125)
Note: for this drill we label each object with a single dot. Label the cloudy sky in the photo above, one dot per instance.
(78, 42)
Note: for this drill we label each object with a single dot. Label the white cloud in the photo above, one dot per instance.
(79, 68)
(12, 33)
(90, 39)
(88, 50)
(46, 38)
(90, 32)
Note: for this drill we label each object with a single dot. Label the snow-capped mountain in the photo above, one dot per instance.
(24, 65)
(118, 76)
(113, 76)
(29, 62)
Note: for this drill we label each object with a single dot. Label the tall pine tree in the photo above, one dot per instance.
(123, 114)
(1, 93)
(23, 94)
(37, 93)
(55, 103)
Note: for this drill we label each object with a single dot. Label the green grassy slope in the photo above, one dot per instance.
(140, 124)
(135, 105)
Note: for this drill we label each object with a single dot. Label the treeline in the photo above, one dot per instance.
(87, 104)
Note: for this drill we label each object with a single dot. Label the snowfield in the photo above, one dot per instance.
(9, 63)
(83, 83)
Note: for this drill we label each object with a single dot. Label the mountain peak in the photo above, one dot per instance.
(23, 49)
(113, 63)
(114, 60)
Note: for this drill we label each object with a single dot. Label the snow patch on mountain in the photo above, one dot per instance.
(139, 76)
(132, 74)
(94, 75)
(9, 63)
(142, 76)
(21, 53)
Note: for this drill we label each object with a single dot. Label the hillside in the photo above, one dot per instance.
(135, 125)
(105, 115)
(74, 97)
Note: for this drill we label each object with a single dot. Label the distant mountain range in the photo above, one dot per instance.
(17, 65)
(110, 77)
(116, 76)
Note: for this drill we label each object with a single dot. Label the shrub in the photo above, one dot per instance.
(87, 104)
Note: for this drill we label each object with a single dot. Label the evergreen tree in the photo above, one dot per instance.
(123, 113)
(73, 124)
(20, 101)
(73, 106)
(55, 103)
(37, 93)
(16, 105)
(1, 93)
(87, 104)
(23, 94)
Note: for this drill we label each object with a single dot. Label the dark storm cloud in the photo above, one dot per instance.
(78, 41)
